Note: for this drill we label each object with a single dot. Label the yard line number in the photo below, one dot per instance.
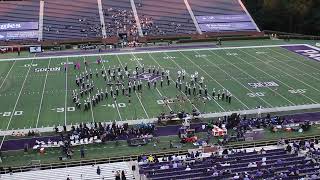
(257, 94)
(62, 109)
(16, 113)
(120, 105)
(297, 91)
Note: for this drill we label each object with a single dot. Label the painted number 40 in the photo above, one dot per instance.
(120, 105)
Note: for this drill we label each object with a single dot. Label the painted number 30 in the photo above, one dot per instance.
(297, 91)
(16, 113)
(257, 94)
(69, 109)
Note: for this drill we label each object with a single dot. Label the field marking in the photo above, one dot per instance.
(212, 77)
(303, 58)
(276, 78)
(168, 105)
(226, 60)
(299, 61)
(151, 51)
(66, 92)
(41, 100)
(7, 74)
(144, 109)
(162, 96)
(115, 102)
(174, 82)
(15, 105)
(91, 107)
(197, 83)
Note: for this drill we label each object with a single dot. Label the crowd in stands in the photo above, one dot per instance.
(122, 21)
(88, 27)
(239, 164)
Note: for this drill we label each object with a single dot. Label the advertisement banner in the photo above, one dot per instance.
(223, 18)
(19, 35)
(19, 26)
(218, 27)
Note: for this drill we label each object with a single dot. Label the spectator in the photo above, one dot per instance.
(188, 168)
(98, 170)
(123, 175)
(117, 176)
(82, 152)
(175, 165)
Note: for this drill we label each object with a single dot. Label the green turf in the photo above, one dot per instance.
(42, 97)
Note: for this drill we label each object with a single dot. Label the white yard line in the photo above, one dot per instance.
(144, 109)
(66, 93)
(151, 51)
(174, 82)
(254, 79)
(278, 79)
(7, 74)
(115, 102)
(213, 78)
(41, 100)
(272, 75)
(91, 107)
(15, 105)
(295, 60)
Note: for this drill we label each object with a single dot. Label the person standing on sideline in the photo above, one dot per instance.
(82, 152)
(98, 170)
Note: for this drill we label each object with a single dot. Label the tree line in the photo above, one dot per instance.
(294, 16)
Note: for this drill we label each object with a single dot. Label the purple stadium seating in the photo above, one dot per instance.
(19, 11)
(170, 16)
(71, 19)
(238, 164)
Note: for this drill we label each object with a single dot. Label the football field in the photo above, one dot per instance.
(37, 93)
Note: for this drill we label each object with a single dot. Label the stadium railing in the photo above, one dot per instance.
(135, 157)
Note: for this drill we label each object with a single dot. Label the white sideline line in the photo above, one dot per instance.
(41, 100)
(174, 82)
(115, 102)
(66, 93)
(212, 77)
(7, 74)
(254, 79)
(151, 51)
(91, 107)
(15, 105)
(144, 109)
(295, 60)
(279, 71)
(208, 115)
